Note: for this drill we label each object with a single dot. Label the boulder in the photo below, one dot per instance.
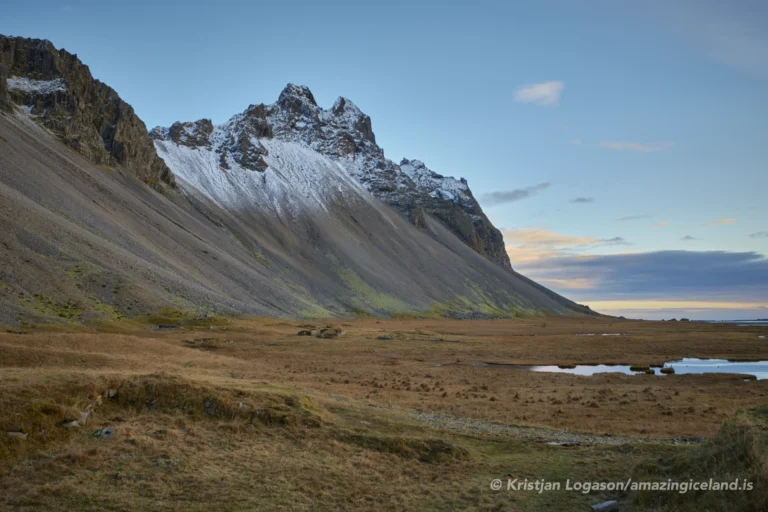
(330, 332)
(105, 433)
(566, 444)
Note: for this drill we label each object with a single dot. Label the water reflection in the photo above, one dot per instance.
(687, 365)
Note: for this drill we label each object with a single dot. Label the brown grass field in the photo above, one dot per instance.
(243, 414)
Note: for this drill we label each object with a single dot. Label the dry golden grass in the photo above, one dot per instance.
(244, 414)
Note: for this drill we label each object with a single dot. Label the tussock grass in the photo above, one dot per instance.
(423, 450)
(739, 451)
(42, 410)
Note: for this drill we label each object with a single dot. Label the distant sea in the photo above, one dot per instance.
(759, 321)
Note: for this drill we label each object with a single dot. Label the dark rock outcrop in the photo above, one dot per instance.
(57, 90)
(5, 100)
(192, 134)
(452, 202)
(239, 146)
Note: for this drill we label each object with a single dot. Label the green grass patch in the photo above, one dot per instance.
(373, 299)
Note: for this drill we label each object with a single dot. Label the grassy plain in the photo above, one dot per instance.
(243, 414)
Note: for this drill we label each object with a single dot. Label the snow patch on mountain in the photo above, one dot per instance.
(297, 178)
(342, 134)
(36, 86)
(436, 185)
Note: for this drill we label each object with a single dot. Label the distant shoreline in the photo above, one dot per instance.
(759, 321)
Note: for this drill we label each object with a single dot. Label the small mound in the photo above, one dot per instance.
(48, 415)
(424, 450)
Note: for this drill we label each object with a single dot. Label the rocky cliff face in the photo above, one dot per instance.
(345, 134)
(57, 90)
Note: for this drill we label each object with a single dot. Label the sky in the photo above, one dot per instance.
(621, 147)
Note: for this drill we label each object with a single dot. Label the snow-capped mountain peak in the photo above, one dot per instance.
(343, 134)
(294, 94)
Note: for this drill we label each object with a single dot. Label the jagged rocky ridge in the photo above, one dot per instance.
(345, 134)
(58, 90)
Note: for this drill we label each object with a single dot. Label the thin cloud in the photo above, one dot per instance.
(688, 238)
(544, 237)
(617, 240)
(759, 234)
(510, 196)
(633, 217)
(661, 224)
(721, 222)
(582, 200)
(544, 93)
(635, 146)
(576, 142)
(528, 246)
(572, 284)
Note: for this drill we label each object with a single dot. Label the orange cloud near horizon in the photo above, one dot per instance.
(578, 283)
(544, 237)
(646, 304)
(660, 280)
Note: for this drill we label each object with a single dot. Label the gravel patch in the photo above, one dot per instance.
(540, 435)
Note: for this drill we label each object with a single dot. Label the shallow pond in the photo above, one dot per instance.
(683, 366)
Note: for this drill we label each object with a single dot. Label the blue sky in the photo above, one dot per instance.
(630, 135)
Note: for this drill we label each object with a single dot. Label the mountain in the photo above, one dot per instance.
(287, 209)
